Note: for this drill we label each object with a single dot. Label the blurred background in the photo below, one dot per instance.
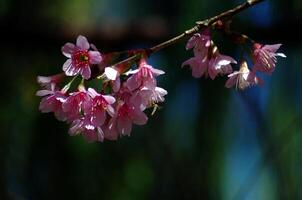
(207, 142)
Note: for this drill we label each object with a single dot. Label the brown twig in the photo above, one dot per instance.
(206, 23)
(198, 27)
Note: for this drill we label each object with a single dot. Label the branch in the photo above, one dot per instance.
(206, 23)
(200, 25)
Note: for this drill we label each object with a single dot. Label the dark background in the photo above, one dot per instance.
(207, 142)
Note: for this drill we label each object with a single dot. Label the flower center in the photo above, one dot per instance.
(80, 58)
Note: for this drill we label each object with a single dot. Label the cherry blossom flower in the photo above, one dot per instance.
(52, 102)
(200, 42)
(121, 123)
(149, 97)
(220, 64)
(49, 82)
(243, 78)
(266, 57)
(97, 108)
(84, 127)
(144, 75)
(74, 104)
(80, 58)
(213, 64)
(207, 60)
(198, 66)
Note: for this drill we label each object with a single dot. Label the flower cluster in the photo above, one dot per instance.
(207, 61)
(125, 94)
(105, 114)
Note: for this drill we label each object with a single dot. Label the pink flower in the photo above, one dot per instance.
(149, 97)
(220, 64)
(83, 126)
(207, 60)
(49, 82)
(198, 66)
(243, 78)
(96, 108)
(121, 122)
(266, 57)
(80, 58)
(52, 102)
(214, 65)
(145, 74)
(200, 42)
(74, 104)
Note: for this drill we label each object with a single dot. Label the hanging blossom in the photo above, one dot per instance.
(207, 60)
(243, 78)
(266, 57)
(52, 102)
(49, 82)
(80, 58)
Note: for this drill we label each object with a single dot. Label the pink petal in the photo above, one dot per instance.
(98, 118)
(67, 65)
(212, 72)
(42, 93)
(161, 91)
(86, 72)
(94, 57)
(231, 81)
(150, 84)
(157, 72)
(75, 127)
(136, 100)
(116, 84)
(92, 92)
(43, 79)
(139, 118)
(281, 55)
(82, 43)
(100, 134)
(133, 83)
(192, 41)
(272, 48)
(110, 110)
(68, 49)
(46, 105)
(109, 99)
(72, 71)
(225, 60)
(124, 126)
(110, 130)
(199, 68)
(132, 72)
